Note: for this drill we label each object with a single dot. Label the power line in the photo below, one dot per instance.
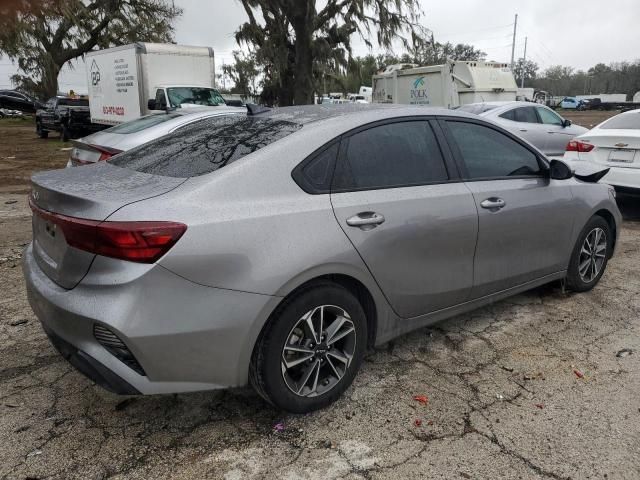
(472, 31)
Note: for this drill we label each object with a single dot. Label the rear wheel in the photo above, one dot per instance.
(590, 255)
(42, 133)
(65, 134)
(311, 350)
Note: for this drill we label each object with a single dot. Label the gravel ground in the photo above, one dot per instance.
(541, 385)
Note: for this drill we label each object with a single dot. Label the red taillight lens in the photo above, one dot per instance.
(142, 242)
(105, 154)
(578, 146)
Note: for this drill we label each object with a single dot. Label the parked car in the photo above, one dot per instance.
(5, 112)
(14, 100)
(105, 144)
(275, 248)
(614, 144)
(572, 103)
(537, 124)
(69, 116)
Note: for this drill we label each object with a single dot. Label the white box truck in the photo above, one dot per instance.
(450, 85)
(133, 80)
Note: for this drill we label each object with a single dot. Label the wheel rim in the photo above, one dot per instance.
(592, 255)
(318, 351)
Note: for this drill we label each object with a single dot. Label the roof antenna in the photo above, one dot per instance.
(253, 109)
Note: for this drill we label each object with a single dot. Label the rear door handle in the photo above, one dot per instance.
(493, 203)
(366, 220)
(522, 129)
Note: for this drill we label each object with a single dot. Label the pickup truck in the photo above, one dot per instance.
(69, 116)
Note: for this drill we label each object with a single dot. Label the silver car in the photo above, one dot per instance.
(105, 144)
(536, 123)
(276, 248)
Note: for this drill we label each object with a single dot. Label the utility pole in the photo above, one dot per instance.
(513, 44)
(524, 63)
(224, 80)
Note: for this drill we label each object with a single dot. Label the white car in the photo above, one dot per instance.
(615, 143)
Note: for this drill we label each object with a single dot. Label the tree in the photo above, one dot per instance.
(243, 73)
(526, 68)
(299, 44)
(43, 35)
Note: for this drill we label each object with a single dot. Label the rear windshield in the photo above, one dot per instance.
(204, 146)
(142, 123)
(477, 108)
(74, 102)
(629, 121)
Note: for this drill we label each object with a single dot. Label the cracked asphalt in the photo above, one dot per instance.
(543, 385)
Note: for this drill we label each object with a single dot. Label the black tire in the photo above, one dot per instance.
(574, 280)
(41, 132)
(65, 133)
(265, 372)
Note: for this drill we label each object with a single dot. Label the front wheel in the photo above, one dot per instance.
(590, 255)
(65, 134)
(311, 350)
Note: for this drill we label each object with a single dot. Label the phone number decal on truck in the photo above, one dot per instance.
(119, 111)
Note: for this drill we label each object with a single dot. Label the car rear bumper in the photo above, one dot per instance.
(184, 336)
(626, 178)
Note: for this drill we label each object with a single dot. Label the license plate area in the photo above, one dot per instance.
(622, 156)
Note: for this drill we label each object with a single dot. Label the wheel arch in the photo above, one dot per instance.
(610, 219)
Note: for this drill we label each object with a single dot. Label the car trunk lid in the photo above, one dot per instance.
(90, 193)
(618, 148)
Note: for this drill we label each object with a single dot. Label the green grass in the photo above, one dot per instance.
(17, 121)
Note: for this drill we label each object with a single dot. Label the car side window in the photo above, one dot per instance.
(488, 153)
(525, 115)
(509, 115)
(161, 100)
(548, 117)
(392, 155)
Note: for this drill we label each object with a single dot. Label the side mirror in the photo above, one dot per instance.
(151, 104)
(566, 123)
(559, 170)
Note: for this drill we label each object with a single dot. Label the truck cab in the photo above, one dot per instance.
(168, 97)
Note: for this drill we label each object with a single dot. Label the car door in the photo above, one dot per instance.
(525, 218)
(557, 134)
(525, 123)
(397, 196)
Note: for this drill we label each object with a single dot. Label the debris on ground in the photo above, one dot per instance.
(499, 396)
(578, 373)
(417, 422)
(278, 427)
(10, 202)
(508, 369)
(21, 321)
(624, 352)
(34, 453)
(533, 376)
(539, 405)
(423, 399)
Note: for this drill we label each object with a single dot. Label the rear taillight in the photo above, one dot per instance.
(142, 242)
(578, 146)
(105, 154)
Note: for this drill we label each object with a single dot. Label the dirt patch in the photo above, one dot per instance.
(22, 153)
(589, 118)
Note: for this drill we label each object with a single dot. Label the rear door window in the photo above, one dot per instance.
(391, 155)
(523, 115)
(488, 153)
(204, 146)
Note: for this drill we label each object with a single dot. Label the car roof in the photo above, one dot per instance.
(346, 112)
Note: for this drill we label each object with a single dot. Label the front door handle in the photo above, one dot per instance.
(365, 220)
(522, 129)
(493, 203)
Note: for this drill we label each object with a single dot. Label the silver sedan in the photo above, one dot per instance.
(537, 124)
(103, 145)
(276, 248)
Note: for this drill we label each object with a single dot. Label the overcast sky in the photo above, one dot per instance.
(579, 33)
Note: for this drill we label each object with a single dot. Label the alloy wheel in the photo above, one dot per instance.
(592, 255)
(318, 351)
